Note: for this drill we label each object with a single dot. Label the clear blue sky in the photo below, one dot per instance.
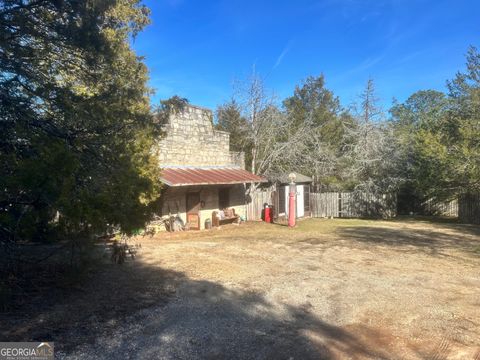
(197, 48)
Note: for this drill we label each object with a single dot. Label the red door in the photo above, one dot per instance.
(193, 211)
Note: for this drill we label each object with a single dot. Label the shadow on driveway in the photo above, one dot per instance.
(139, 311)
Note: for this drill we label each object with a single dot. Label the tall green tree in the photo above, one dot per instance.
(439, 135)
(313, 103)
(423, 109)
(230, 119)
(421, 115)
(75, 120)
(317, 109)
(464, 125)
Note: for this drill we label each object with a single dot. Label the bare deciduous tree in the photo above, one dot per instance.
(275, 146)
(256, 106)
(370, 147)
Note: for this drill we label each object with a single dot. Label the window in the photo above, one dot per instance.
(223, 198)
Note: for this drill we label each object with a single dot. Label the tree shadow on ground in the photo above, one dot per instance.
(434, 242)
(141, 311)
(443, 222)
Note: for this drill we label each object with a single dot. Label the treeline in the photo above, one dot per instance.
(77, 127)
(426, 147)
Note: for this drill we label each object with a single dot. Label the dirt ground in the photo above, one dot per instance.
(328, 289)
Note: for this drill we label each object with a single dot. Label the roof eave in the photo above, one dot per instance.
(211, 183)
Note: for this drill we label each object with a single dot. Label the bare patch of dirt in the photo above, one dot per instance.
(327, 289)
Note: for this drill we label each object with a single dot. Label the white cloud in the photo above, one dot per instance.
(284, 52)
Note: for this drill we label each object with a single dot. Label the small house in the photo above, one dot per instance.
(199, 172)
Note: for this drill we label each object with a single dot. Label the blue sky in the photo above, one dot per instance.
(196, 49)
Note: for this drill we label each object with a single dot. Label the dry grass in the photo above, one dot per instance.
(326, 289)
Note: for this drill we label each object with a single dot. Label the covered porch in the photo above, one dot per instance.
(193, 194)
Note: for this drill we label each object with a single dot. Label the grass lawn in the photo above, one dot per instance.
(354, 289)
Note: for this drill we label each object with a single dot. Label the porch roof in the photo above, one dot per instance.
(184, 176)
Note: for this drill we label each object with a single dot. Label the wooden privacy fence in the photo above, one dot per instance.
(466, 208)
(329, 204)
(441, 208)
(352, 205)
(469, 208)
(255, 203)
(357, 205)
(324, 204)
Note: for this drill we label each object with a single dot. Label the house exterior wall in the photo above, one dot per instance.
(192, 141)
(174, 201)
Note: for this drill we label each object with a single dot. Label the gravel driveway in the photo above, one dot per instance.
(341, 289)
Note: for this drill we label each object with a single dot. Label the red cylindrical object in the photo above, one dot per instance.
(268, 214)
(291, 206)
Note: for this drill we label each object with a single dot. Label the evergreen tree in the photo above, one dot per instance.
(317, 109)
(230, 119)
(76, 124)
(314, 104)
(463, 127)
(439, 136)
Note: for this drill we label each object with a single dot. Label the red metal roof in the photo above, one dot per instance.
(210, 176)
